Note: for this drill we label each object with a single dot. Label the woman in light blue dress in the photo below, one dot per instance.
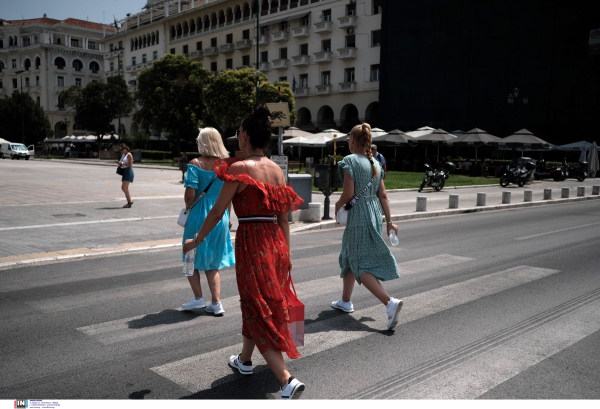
(216, 252)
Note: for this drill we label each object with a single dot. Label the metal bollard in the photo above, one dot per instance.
(528, 196)
(480, 199)
(596, 190)
(580, 190)
(421, 203)
(453, 202)
(547, 194)
(314, 212)
(505, 197)
(564, 193)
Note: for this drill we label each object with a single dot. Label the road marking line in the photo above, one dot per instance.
(41, 226)
(98, 201)
(430, 263)
(169, 177)
(334, 332)
(558, 231)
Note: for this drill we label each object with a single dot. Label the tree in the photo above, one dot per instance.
(98, 104)
(233, 95)
(19, 108)
(170, 95)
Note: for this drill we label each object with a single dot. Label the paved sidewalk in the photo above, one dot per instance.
(102, 162)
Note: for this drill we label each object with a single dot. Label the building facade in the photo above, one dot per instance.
(52, 55)
(328, 50)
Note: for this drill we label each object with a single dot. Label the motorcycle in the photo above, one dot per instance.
(543, 171)
(437, 178)
(579, 173)
(518, 174)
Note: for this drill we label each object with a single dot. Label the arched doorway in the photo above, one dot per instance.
(304, 118)
(60, 130)
(325, 118)
(372, 114)
(349, 117)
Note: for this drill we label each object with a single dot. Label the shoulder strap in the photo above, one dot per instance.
(352, 202)
(198, 164)
(202, 194)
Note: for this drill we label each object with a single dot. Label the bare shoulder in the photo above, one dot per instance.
(276, 170)
(237, 168)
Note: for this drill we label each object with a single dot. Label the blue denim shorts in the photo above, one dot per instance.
(127, 175)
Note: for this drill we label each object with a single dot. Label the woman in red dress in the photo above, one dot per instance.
(261, 200)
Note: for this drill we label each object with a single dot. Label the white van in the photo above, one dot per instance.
(16, 151)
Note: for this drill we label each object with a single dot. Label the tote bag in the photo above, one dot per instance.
(296, 313)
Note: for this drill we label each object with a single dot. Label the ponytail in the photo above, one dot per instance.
(362, 136)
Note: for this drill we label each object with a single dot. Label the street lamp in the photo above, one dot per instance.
(22, 109)
(513, 100)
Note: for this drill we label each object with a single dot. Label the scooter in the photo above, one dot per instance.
(579, 173)
(437, 178)
(518, 175)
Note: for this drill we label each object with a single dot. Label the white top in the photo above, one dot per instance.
(125, 158)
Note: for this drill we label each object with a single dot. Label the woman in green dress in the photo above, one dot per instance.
(365, 257)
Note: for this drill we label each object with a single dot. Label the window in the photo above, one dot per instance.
(27, 82)
(351, 41)
(74, 43)
(377, 6)
(213, 42)
(120, 65)
(172, 51)
(14, 81)
(264, 31)
(14, 63)
(185, 49)
(1, 85)
(229, 38)
(112, 47)
(282, 79)
(112, 66)
(91, 45)
(154, 55)
(283, 26)
(229, 63)
(143, 58)
(283, 53)
(60, 63)
(246, 35)
(246, 60)
(37, 81)
(326, 15)
(120, 44)
(326, 45)
(303, 80)
(78, 82)
(375, 72)
(78, 65)
(213, 66)
(58, 41)
(60, 81)
(38, 100)
(351, 9)
(376, 38)
(38, 62)
(326, 78)
(349, 75)
(199, 46)
(133, 60)
(264, 56)
(304, 22)
(94, 67)
(303, 49)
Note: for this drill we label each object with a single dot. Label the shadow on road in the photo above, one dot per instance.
(163, 317)
(139, 394)
(261, 385)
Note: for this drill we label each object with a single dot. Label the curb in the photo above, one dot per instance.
(445, 187)
(451, 212)
(138, 165)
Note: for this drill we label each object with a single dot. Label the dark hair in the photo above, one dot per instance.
(258, 126)
(123, 146)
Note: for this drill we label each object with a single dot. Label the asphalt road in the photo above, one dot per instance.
(496, 305)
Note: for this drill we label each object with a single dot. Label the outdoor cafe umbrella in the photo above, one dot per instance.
(392, 138)
(375, 133)
(320, 139)
(437, 137)
(426, 130)
(475, 137)
(575, 146)
(524, 139)
(593, 163)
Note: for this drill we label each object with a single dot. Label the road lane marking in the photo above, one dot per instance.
(430, 263)
(331, 333)
(108, 183)
(98, 201)
(168, 177)
(42, 226)
(558, 231)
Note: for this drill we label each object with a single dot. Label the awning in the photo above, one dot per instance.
(281, 20)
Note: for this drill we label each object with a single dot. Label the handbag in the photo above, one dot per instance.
(295, 313)
(185, 212)
(342, 214)
(119, 170)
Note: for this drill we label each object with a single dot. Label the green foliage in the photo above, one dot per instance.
(135, 141)
(19, 114)
(170, 95)
(232, 95)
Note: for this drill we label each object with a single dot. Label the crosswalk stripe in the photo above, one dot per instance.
(430, 263)
(331, 333)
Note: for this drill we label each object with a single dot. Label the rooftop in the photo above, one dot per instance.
(51, 22)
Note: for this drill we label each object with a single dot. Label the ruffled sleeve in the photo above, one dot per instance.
(274, 198)
(192, 177)
(345, 165)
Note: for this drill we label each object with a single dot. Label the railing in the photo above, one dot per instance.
(347, 86)
(301, 60)
(301, 32)
(280, 36)
(226, 48)
(347, 53)
(323, 27)
(301, 92)
(211, 51)
(347, 21)
(323, 57)
(263, 66)
(263, 39)
(323, 89)
(279, 64)
(243, 44)
(197, 54)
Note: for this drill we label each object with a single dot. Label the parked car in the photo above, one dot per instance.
(16, 151)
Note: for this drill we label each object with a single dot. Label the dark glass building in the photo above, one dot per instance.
(452, 64)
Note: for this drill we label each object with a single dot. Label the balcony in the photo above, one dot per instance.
(214, 73)
(129, 68)
(197, 54)
(131, 88)
(347, 21)
(262, 40)
(211, 51)
(301, 92)
(78, 73)
(227, 48)
(264, 66)
(34, 89)
(241, 67)
(280, 64)
(301, 32)
(324, 27)
(301, 60)
(243, 44)
(324, 89)
(323, 57)
(140, 66)
(107, 74)
(347, 53)
(59, 88)
(280, 36)
(347, 86)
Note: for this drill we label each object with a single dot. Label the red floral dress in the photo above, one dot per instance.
(262, 260)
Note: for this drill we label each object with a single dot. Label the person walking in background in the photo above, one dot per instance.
(126, 163)
(183, 165)
(379, 157)
(260, 196)
(365, 257)
(217, 252)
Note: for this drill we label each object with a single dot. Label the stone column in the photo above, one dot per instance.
(564, 193)
(528, 196)
(596, 190)
(505, 197)
(453, 202)
(421, 203)
(481, 199)
(580, 190)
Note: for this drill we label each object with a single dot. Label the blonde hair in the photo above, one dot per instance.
(362, 137)
(210, 143)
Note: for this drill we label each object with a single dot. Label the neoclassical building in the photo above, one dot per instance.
(52, 55)
(327, 49)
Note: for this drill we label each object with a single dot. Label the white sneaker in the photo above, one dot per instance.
(292, 390)
(392, 311)
(236, 363)
(215, 309)
(194, 304)
(344, 306)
